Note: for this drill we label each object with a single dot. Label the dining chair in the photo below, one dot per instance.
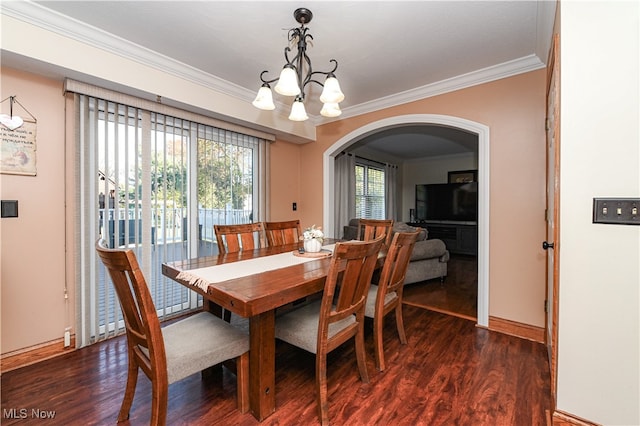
(233, 238)
(387, 295)
(369, 229)
(323, 325)
(169, 354)
(282, 233)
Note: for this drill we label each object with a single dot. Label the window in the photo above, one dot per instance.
(370, 191)
(226, 183)
(156, 184)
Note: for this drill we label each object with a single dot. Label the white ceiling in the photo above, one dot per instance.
(387, 50)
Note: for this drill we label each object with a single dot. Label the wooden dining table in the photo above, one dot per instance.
(256, 296)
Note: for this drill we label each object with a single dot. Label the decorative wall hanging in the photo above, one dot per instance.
(18, 139)
(463, 176)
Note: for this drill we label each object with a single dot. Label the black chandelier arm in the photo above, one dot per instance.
(286, 56)
(313, 81)
(309, 78)
(267, 81)
(335, 67)
(327, 73)
(300, 62)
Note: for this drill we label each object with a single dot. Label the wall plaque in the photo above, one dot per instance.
(18, 149)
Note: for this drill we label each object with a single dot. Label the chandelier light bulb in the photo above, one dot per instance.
(331, 92)
(331, 110)
(298, 113)
(264, 99)
(288, 82)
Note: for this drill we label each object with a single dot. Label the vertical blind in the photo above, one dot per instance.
(156, 184)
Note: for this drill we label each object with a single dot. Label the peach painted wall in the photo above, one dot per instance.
(284, 186)
(32, 246)
(514, 110)
(33, 307)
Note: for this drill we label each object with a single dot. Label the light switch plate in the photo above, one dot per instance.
(621, 211)
(9, 208)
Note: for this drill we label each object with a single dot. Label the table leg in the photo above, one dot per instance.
(262, 365)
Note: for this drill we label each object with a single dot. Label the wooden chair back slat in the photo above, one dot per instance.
(234, 238)
(388, 297)
(370, 229)
(396, 262)
(282, 233)
(349, 275)
(141, 323)
(140, 317)
(147, 343)
(322, 326)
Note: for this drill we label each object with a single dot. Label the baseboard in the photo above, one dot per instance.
(564, 419)
(28, 356)
(517, 329)
(440, 310)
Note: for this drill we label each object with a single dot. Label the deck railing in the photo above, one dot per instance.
(168, 225)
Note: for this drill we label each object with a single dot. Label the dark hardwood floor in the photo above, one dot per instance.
(458, 295)
(449, 373)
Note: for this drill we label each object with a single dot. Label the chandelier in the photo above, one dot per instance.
(297, 73)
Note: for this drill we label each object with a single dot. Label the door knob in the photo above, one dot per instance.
(546, 245)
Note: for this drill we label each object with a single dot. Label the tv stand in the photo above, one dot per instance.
(459, 237)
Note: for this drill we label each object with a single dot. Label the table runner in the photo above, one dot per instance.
(202, 277)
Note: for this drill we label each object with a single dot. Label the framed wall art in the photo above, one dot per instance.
(17, 142)
(463, 176)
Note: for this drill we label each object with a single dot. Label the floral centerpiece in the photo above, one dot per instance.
(313, 238)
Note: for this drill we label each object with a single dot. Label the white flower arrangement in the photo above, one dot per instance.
(313, 233)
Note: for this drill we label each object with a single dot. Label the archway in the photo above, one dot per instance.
(483, 184)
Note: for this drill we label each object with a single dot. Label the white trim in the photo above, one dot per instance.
(483, 184)
(474, 78)
(50, 20)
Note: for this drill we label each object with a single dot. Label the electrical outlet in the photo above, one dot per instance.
(295, 206)
(622, 211)
(67, 339)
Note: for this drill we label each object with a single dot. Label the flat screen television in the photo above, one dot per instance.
(447, 202)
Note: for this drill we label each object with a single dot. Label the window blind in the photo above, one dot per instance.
(156, 184)
(370, 191)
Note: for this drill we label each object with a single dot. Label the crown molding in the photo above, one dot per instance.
(47, 19)
(37, 15)
(474, 78)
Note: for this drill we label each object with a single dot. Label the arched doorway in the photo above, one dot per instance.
(483, 184)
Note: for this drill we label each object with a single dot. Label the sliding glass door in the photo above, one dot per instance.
(155, 184)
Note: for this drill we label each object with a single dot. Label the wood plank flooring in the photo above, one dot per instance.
(449, 373)
(458, 295)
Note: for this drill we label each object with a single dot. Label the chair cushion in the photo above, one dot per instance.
(200, 341)
(370, 308)
(300, 326)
